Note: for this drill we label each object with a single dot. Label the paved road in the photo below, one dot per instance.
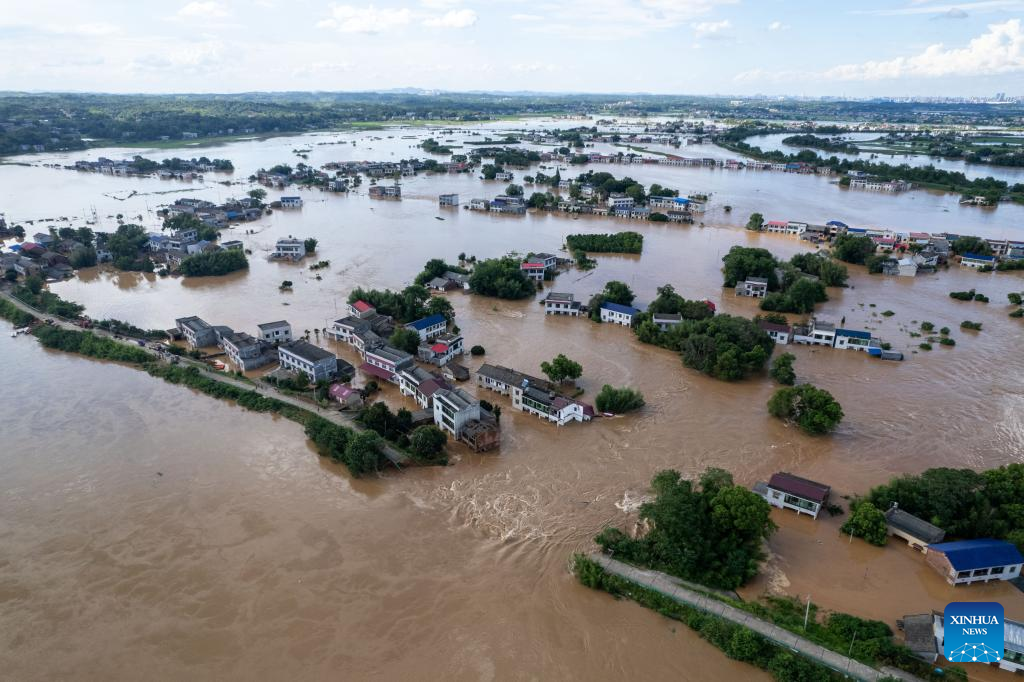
(347, 419)
(668, 586)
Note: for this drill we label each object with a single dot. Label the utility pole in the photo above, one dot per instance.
(807, 612)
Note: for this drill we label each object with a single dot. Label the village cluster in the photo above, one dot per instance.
(909, 253)
(428, 377)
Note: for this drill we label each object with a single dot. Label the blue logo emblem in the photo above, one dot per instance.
(973, 632)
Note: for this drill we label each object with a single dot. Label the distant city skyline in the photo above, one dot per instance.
(912, 48)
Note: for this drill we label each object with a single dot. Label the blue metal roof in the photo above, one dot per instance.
(426, 322)
(617, 308)
(857, 230)
(837, 223)
(976, 256)
(967, 555)
(853, 333)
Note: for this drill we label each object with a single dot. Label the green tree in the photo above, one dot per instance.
(127, 242)
(310, 245)
(782, 369)
(34, 283)
(618, 400)
(669, 302)
(212, 263)
(711, 533)
(83, 258)
(502, 278)
(853, 249)
(259, 194)
(562, 368)
(971, 244)
(814, 410)
(427, 442)
(363, 452)
(743, 262)
(756, 222)
(438, 305)
(868, 522)
(514, 190)
(405, 339)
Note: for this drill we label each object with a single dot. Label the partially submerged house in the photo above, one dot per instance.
(786, 491)
(971, 561)
(618, 314)
(533, 395)
(275, 332)
(197, 332)
(315, 362)
(917, 532)
(556, 303)
(753, 287)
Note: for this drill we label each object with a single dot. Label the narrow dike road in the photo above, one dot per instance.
(395, 456)
(668, 586)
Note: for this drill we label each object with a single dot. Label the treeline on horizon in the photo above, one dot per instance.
(62, 120)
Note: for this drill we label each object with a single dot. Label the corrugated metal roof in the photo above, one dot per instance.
(967, 555)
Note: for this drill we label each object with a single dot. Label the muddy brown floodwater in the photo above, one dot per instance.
(151, 532)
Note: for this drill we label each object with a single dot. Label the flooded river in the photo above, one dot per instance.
(147, 528)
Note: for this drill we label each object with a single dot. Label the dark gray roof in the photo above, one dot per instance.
(919, 635)
(271, 325)
(307, 351)
(910, 524)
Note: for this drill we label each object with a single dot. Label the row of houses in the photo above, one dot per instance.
(186, 169)
(922, 250)
(962, 562)
(393, 191)
(817, 332)
(500, 204)
(46, 256)
(273, 342)
(453, 410)
(533, 396)
(216, 215)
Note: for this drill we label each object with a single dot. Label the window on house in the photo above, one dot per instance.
(998, 569)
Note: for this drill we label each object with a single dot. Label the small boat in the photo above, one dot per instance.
(218, 365)
(607, 414)
(437, 217)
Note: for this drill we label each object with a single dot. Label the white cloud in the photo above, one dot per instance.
(999, 50)
(189, 58)
(440, 4)
(203, 10)
(922, 8)
(705, 29)
(621, 19)
(456, 18)
(777, 26)
(349, 19)
(526, 17)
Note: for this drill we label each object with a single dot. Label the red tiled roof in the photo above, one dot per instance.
(376, 371)
(439, 348)
(341, 391)
(362, 306)
(801, 487)
(432, 386)
(777, 222)
(532, 265)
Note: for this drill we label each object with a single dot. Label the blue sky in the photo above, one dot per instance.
(739, 47)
